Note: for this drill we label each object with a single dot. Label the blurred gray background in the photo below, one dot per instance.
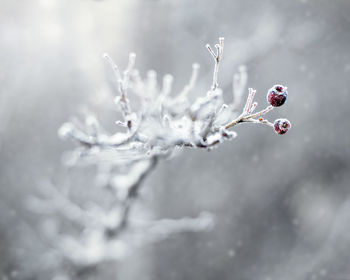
(282, 204)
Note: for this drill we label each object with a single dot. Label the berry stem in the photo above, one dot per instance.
(250, 118)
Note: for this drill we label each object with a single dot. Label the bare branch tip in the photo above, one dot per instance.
(195, 66)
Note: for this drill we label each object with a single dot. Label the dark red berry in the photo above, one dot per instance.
(279, 88)
(277, 95)
(281, 126)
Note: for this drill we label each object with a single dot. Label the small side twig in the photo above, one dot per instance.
(123, 84)
(192, 81)
(217, 58)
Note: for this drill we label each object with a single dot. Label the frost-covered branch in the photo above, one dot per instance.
(161, 123)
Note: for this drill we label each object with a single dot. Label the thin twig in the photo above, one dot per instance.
(217, 58)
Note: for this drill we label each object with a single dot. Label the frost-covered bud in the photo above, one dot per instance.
(66, 130)
(281, 126)
(277, 95)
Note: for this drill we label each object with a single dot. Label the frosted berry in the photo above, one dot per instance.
(281, 126)
(277, 95)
